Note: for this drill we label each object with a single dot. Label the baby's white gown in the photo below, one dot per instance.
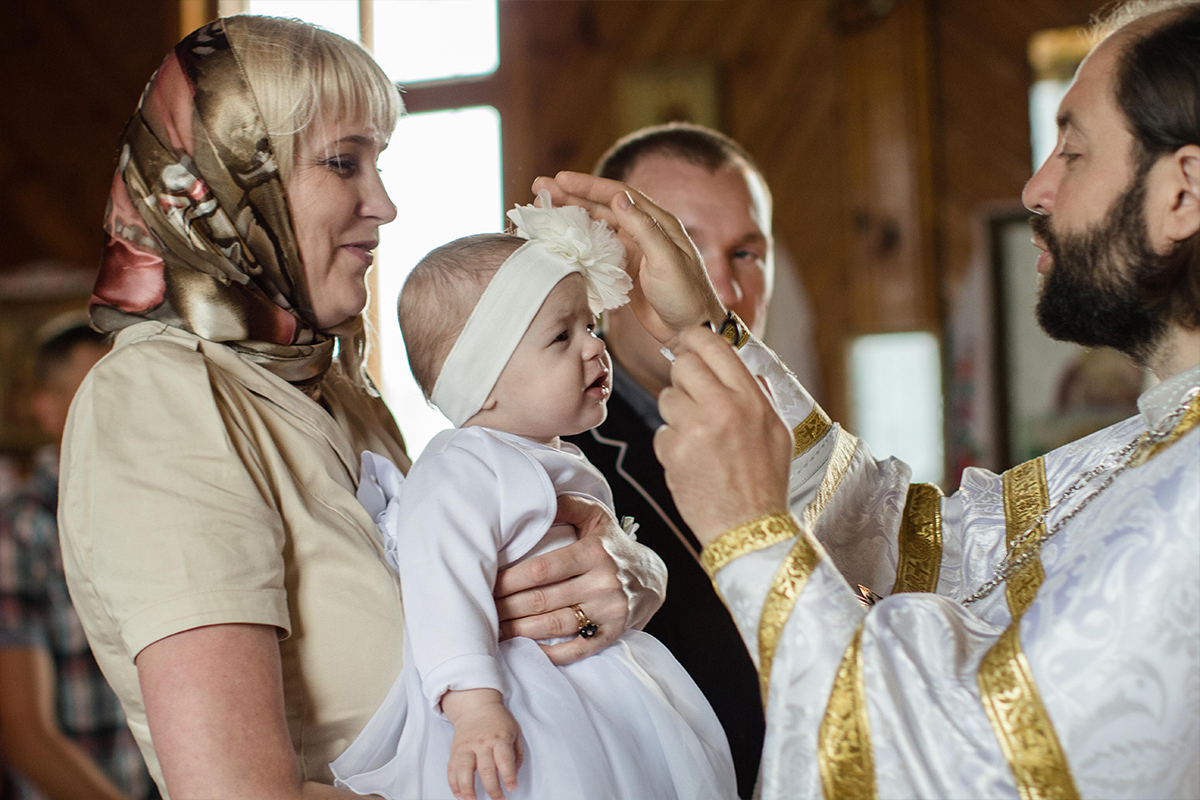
(625, 724)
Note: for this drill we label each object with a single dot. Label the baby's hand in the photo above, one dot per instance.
(487, 740)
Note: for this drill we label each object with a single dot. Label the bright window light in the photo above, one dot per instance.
(897, 388)
(339, 16)
(1044, 97)
(442, 170)
(422, 40)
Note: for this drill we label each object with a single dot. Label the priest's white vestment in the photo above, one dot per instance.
(1079, 676)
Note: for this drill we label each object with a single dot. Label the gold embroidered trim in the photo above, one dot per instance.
(789, 581)
(1026, 735)
(920, 559)
(839, 462)
(1006, 685)
(746, 538)
(1189, 420)
(1026, 497)
(810, 430)
(844, 751)
(793, 573)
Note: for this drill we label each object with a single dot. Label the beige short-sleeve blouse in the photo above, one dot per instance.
(200, 489)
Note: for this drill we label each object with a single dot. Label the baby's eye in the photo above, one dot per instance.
(591, 327)
(562, 337)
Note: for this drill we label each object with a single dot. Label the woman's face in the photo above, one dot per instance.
(338, 202)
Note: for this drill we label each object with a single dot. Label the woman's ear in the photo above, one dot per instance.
(1182, 178)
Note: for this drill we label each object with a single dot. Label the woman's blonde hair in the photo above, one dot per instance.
(301, 73)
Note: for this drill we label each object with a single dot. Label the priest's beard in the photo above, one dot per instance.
(1092, 294)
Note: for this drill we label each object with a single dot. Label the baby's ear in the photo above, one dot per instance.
(489, 404)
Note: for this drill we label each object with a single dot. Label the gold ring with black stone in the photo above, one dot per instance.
(587, 628)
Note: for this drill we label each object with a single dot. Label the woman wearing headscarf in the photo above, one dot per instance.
(229, 582)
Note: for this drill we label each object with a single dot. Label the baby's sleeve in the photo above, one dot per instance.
(456, 510)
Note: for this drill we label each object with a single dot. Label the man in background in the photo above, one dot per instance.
(62, 731)
(720, 196)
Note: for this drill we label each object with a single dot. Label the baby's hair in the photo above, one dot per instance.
(440, 294)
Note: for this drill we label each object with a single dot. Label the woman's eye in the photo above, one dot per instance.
(343, 165)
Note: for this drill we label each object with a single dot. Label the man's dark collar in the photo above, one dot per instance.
(643, 403)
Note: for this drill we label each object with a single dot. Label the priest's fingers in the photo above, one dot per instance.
(579, 188)
(725, 450)
(702, 357)
(671, 275)
(586, 191)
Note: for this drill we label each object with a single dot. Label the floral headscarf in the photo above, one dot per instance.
(199, 235)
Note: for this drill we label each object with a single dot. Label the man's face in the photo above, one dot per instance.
(727, 215)
(1091, 225)
(1091, 294)
(727, 219)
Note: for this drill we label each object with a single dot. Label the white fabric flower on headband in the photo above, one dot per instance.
(568, 232)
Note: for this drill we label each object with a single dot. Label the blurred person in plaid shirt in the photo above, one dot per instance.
(62, 732)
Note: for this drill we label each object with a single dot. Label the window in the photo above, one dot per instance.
(897, 399)
(1054, 54)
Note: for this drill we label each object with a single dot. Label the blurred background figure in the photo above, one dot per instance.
(62, 733)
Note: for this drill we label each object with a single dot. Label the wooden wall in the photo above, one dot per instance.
(796, 91)
(73, 71)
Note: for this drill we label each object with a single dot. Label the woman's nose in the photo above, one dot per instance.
(375, 202)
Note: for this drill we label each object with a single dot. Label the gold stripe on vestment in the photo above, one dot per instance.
(789, 581)
(793, 573)
(1006, 685)
(839, 463)
(1026, 498)
(810, 431)
(920, 557)
(746, 538)
(844, 752)
(1026, 735)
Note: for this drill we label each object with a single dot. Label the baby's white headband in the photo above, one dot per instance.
(561, 241)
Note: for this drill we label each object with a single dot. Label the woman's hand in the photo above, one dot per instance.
(487, 740)
(724, 448)
(671, 291)
(617, 583)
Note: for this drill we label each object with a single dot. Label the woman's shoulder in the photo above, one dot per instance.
(148, 360)
(151, 343)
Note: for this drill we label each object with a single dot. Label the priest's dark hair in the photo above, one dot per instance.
(1158, 88)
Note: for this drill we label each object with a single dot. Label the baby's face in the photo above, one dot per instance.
(558, 379)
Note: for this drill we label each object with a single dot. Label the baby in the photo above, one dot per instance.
(500, 334)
